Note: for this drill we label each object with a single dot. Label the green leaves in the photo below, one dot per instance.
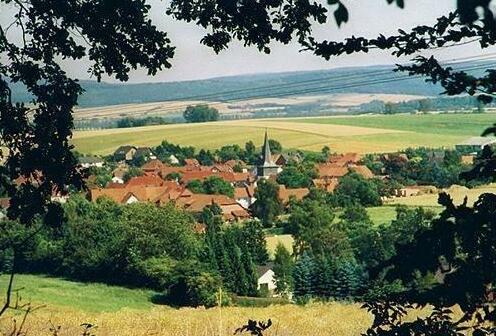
(341, 14)
(399, 3)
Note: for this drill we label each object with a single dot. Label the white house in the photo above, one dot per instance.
(244, 196)
(173, 159)
(266, 279)
(91, 161)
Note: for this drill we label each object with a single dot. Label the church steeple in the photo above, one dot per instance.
(267, 155)
(266, 167)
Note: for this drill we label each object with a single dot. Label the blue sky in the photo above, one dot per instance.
(367, 18)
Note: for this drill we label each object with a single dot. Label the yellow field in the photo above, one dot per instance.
(288, 320)
(272, 242)
(292, 134)
(458, 194)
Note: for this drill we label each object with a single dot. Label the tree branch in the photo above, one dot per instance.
(8, 294)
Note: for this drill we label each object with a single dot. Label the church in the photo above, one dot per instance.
(266, 166)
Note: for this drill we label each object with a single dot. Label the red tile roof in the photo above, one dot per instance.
(145, 181)
(327, 184)
(331, 170)
(285, 194)
(344, 159)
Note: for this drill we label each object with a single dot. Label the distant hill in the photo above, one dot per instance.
(341, 80)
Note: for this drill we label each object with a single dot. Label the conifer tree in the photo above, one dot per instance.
(254, 239)
(283, 270)
(302, 277)
(250, 272)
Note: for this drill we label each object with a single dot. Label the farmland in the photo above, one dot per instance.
(126, 312)
(456, 192)
(363, 134)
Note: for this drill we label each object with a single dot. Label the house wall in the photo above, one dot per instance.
(267, 278)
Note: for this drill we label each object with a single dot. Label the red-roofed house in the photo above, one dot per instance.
(231, 210)
(344, 159)
(245, 196)
(286, 194)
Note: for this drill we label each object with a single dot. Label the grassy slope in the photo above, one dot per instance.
(362, 134)
(81, 296)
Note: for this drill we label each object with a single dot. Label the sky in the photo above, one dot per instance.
(367, 18)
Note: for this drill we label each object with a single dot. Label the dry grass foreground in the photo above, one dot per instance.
(288, 320)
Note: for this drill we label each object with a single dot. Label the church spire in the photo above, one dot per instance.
(267, 155)
(266, 166)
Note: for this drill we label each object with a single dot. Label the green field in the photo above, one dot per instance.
(92, 297)
(441, 124)
(362, 134)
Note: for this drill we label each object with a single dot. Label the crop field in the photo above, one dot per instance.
(128, 312)
(363, 134)
(458, 194)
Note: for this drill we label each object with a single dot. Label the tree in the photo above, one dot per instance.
(254, 238)
(205, 157)
(267, 205)
(275, 146)
(229, 152)
(283, 270)
(303, 278)
(218, 186)
(355, 189)
(196, 186)
(297, 175)
(132, 172)
(212, 185)
(200, 113)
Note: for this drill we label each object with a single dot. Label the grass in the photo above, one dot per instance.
(336, 319)
(363, 134)
(442, 124)
(128, 312)
(81, 296)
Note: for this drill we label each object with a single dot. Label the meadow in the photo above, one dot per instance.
(457, 193)
(362, 134)
(128, 312)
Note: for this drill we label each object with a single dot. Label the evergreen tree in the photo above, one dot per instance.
(348, 279)
(250, 272)
(254, 239)
(302, 278)
(268, 205)
(283, 270)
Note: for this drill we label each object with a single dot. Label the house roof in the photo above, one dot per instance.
(168, 190)
(4, 202)
(478, 141)
(153, 165)
(123, 149)
(262, 269)
(191, 162)
(146, 181)
(331, 170)
(231, 210)
(363, 170)
(244, 192)
(143, 151)
(327, 184)
(285, 194)
(344, 159)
